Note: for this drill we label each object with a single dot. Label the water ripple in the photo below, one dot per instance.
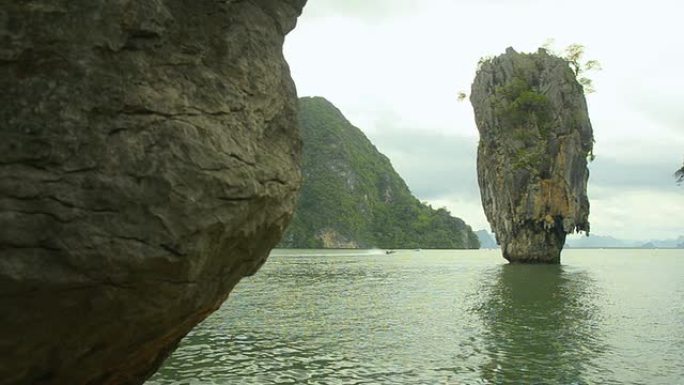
(443, 317)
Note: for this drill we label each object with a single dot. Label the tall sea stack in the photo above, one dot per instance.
(149, 159)
(535, 137)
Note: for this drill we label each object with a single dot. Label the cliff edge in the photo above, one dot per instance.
(149, 159)
(535, 138)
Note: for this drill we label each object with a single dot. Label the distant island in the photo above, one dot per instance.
(352, 197)
(593, 241)
(487, 240)
(599, 241)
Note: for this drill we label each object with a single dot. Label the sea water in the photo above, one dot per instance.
(444, 317)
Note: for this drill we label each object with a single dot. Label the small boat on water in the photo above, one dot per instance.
(388, 252)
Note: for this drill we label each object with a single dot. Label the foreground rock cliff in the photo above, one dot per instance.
(148, 160)
(535, 137)
(353, 198)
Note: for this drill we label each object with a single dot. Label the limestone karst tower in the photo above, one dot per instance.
(535, 137)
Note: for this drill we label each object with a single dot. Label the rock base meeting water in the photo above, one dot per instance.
(149, 159)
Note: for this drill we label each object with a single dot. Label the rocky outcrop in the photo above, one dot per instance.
(331, 239)
(148, 160)
(535, 137)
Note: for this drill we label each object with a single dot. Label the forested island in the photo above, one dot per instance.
(352, 197)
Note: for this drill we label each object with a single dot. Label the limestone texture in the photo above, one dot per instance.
(535, 138)
(149, 159)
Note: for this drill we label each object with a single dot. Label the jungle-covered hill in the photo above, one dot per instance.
(352, 197)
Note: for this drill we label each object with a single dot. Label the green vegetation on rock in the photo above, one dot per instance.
(535, 138)
(522, 106)
(352, 196)
(525, 114)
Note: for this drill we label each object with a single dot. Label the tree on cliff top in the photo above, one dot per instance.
(572, 54)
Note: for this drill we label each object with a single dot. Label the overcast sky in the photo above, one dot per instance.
(394, 68)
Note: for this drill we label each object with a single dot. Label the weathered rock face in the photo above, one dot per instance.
(148, 160)
(535, 137)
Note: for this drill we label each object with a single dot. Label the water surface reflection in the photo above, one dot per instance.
(541, 325)
(444, 317)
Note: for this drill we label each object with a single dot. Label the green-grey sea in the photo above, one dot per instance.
(444, 317)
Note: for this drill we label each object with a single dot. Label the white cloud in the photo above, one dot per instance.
(642, 214)
(360, 9)
(466, 208)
